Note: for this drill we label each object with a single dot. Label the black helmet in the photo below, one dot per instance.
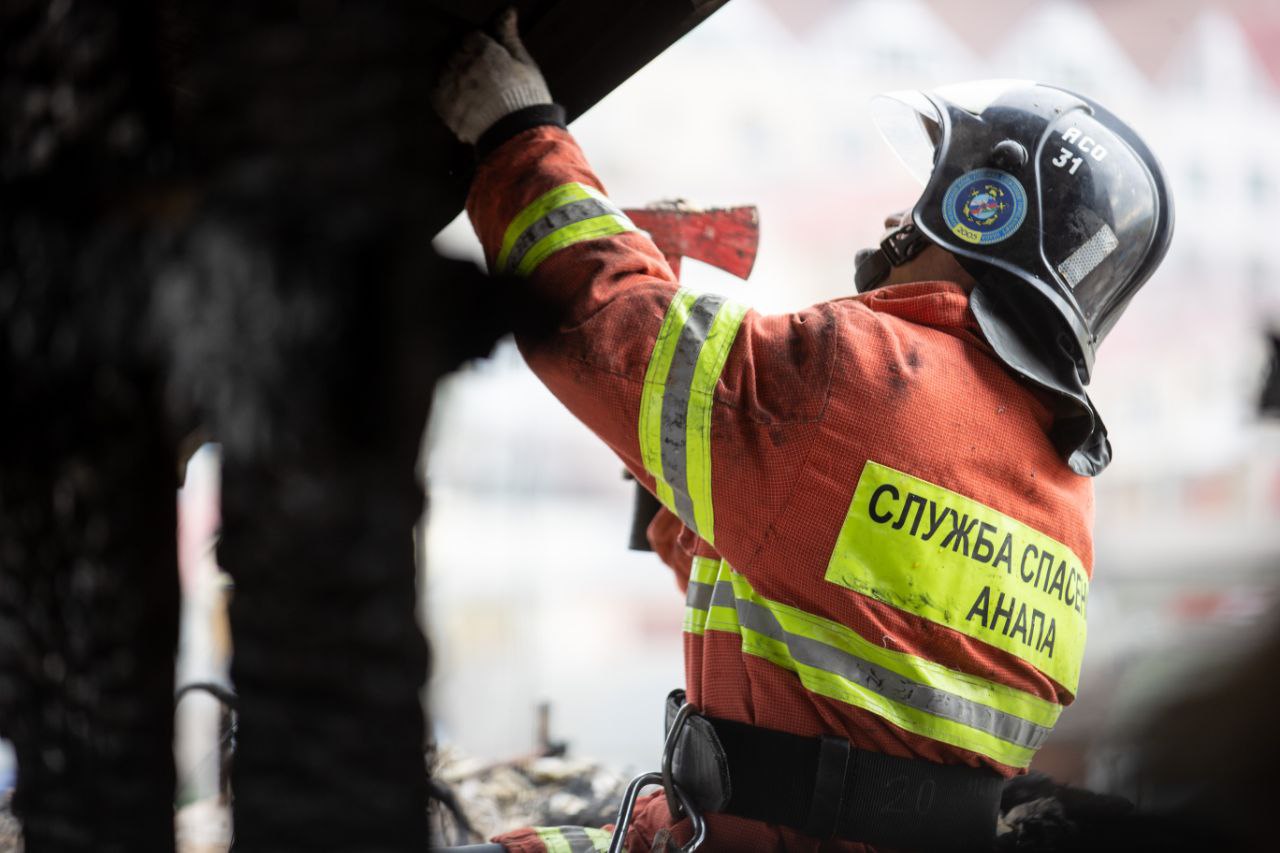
(1056, 207)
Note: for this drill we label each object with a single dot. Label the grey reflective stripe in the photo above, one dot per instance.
(576, 211)
(579, 841)
(675, 403)
(698, 596)
(1088, 255)
(723, 596)
(882, 681)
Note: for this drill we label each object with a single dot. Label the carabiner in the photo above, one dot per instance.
(674, 803)
(617, 844)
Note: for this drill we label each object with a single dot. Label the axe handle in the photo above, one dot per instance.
(644, 510)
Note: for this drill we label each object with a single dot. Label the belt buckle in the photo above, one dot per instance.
(678, 802)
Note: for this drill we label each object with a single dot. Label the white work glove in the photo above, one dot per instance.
(485, 80)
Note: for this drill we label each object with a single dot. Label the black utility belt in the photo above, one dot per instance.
(826, 788)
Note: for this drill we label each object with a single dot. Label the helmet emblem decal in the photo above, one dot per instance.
(985, 206)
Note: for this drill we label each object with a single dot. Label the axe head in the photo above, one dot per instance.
(725, 237)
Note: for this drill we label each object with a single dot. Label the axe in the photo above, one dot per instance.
(725, 237)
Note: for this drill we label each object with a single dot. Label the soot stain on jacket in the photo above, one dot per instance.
(897, 382)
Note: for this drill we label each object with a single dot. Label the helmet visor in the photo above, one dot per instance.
(912, 126)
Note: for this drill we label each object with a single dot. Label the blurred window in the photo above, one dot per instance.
(1259, 275)
(757, 135)
(1261, 187)
(894, 59)
(1197, 180)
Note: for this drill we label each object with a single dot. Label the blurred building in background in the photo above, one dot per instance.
(530, 594)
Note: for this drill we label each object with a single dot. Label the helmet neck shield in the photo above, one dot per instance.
(1078, 432)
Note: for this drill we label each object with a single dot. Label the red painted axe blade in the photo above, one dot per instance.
(725, 237)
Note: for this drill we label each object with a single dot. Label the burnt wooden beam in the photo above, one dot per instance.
(219, 216)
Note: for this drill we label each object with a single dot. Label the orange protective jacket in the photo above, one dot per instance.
(875, 536)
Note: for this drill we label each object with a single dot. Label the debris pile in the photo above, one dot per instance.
(10, 831)
(203, 826)
(492, 798)
(533, 791)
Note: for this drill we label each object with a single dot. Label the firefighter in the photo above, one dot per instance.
(879, 507)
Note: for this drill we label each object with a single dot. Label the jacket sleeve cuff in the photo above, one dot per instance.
(518, 122)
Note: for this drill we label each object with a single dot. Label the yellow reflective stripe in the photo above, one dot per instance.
(552, 839)
(704, 570)
(599, 838)
(586, 229)
(719, 616)
(722, 619)
(918, 695)
(573, 839)
(990, 693)
(947, 558)
(715, 351)
(655, 383)
(538, 208)
(908, 718)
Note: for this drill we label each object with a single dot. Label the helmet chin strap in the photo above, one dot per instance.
(872, 266)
